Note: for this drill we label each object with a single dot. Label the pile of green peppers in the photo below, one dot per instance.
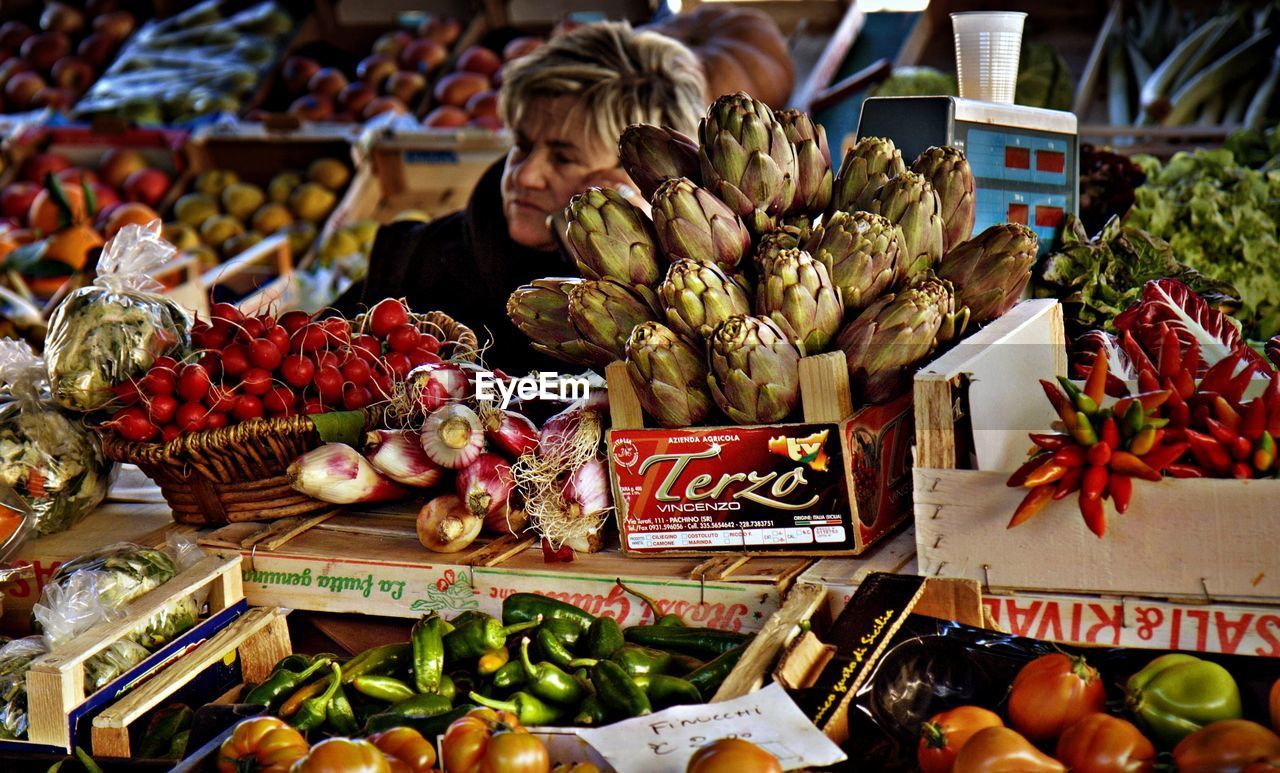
(546, 661)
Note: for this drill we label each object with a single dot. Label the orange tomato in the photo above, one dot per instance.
(406, 745)
(46, 217)
(487, 741)
(343, 755)
(1001, 750)
(1229, 745)
(732, 755)
(268, 744)
(1052, 693)
(132, 213)
(1101, 743)
(946, 733)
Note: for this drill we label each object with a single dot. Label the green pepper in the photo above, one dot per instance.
(590, 712)
(708, 678)
(421, 706)
(377, 660)
(522, 607)
(699, 642)
(547, 681)
(566, 632)
(272, 692)
(462, 618)
(429, 726)
(531, 711)
(665, 691)
(313, 711)
(479, 635)
(552, 648)
(427, 640)
(163, 728)
(447, 688)
(621, 697)
(682, 665)
(178, 746)
(339, 714)
(295, 662)
(583, 675)
(670, 619)
(604, 638)
(1176, 695)
(383, 688)
(636, 660)
(509, 676)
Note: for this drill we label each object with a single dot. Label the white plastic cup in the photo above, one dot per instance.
(987, 47)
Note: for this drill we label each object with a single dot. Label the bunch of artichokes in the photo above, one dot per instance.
(756, 254)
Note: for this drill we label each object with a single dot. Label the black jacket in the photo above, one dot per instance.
(465, 265)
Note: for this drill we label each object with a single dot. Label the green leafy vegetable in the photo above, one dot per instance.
(917, 82)
(1044, 79)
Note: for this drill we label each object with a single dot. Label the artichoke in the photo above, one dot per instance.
(885, 343)
(754, 370)
(697, 297)
(911, 203)
(796, 292)
(813, 163)
(991, 270)
(860, 251)
(604, 313)
(540, 310)
(867, 166)
(651, 154)
(610, 238)
(692, 224)
(669, 374)
(769, 245)
(746, 160)
(947, 170)
(955, 315)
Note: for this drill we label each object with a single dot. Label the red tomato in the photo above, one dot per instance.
(732, 755)
(343, 755)
(1274, 703)
(946, 733)
(1101, 743)
(1229, 745)
(1052, 693)
(1001, 750)
(485, 741)
(269, 742)
(407, 746)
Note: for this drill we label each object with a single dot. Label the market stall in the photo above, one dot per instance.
(947, 443)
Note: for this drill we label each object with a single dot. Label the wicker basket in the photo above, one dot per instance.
(237, 473)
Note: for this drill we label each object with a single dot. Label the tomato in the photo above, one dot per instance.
(269, 742)
(1226, 746)
(946, 733)
(1101, 743)
(1001, 750)
(487, 741)
(732, 755)
(1052, 693)
(343, 755)
(1274, 705)
(406, 745)
(577, 767)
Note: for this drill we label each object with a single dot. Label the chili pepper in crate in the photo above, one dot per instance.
(383, 659)
(339, 715)
(659, 618)
(291, 706)
(422, 706)
(590, 712)
(621, 697)
(282, 682)
(523, 607)
(479, 635)
(429, 726)
(382, 688)
(509, 676)
(566, 632)
(530, 710)
(492, 660)
(547, 681)
(682, 665)
(427, 642)
(699, 642)
(636, 659)
(165, 725)
(665, 691)
(313, 711)
(295, 662)
(552, 648)
(604, 637)
(1264, 453)
(448, 688)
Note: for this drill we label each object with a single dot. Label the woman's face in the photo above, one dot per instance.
(550, 162)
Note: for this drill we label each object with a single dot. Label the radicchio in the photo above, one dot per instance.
(1190, 317)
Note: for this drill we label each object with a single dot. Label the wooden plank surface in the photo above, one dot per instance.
(758, 659)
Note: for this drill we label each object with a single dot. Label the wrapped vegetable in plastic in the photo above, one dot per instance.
(48, 458)
(105, 334)
(15, 659)
(17, 521)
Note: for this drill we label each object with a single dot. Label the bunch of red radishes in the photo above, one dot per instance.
(244, 368)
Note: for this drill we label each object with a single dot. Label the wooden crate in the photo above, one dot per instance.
(1188, 539)
(433, 171)
(872, 445)
(58, 703)
(258, 639)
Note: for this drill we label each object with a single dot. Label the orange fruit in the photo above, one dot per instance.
(44, 215)
(73, 245)
(132, 213)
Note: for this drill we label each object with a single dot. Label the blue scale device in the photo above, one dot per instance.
(1025, 160)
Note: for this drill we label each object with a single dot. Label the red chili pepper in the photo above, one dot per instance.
(1218, 376)
(1185, 471)
(1160, 457)
(1126, 463)
(1071, 456)
(1090, 501)
(1049, 473)
(1177, 411)
(1241, 449)
(1241, 471)
(1220, 432)
(1019, 475)
(1110, 433)
(1191, 357)
(1254, 422)
(1120, 488)
(1061, 403)
(1209, 453)
(1183, 383)
(1095, 387)
(1271, 398)
(1226, 414)
(1147, 381)
(1264, 453)
(1100, 454)
(1170, 352)
(1031, 504)
(1068, 483)
(1052, 442)
(1137, 355)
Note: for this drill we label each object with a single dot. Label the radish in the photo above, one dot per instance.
(327, 358)
(293, 321)
(386, 315)
(214, 338)
(429, 343)
(256, 381)
(235, 360)
(264, 354)
(398, 363)
(403, 338)
(485, 485)
(220, 398)
(419, 357)
(247, 408)
(367, 347)
(279, 399)
(199, 331)
(211, 363)
(164, 363)
(513, 433)
(278, 336)
(133, 425)
(190, 417)
(382, 386)
(355, 397)
(158, 381)
(328, 381)
(226, 312)
(250, 329)
(314, 406)
(309, 339)
(126, 393)
(215, 420)
(170, 433)
(398, 454)
(335, 473)
(445, 525)
(162, 408)
(356, 371)
(452, 436)
(297, 370)
(338, 329)
(193, 383)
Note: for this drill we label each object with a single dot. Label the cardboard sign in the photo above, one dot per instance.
(799, 488)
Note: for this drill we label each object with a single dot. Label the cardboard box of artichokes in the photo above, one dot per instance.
(762, 283)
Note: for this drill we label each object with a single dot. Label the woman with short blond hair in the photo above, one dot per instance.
(566, 103)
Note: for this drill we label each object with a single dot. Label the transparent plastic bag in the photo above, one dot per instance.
(17, 522)
(102, 335)
(47, 457)
(15, 660)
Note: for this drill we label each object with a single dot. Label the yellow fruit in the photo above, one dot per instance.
(239, 243)
(329, 172)
(241, 199)
(301, 236)
(214, 181)
(364, 231)
(340, 245)
(311, 201)
(206, 255)
(195, 208)
(272, 217)
(282, 185)
(219, 228)
(416, 215)
(181, 235)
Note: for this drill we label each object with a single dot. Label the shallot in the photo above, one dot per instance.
(445, 525)
(512, 433)
(485, 485)
(399, 455)
(336, 473)
(433, 385)
(587, 495)
(452, 436)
